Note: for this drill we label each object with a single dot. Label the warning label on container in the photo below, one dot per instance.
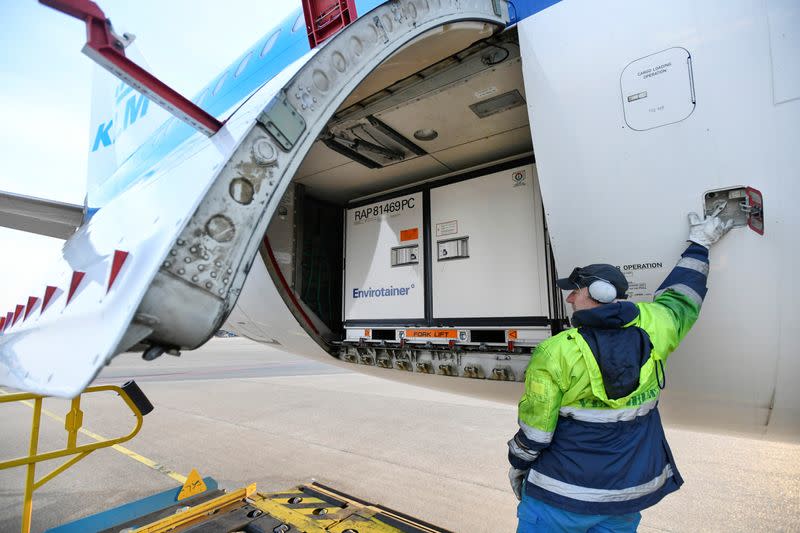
(447, 228)
(518, 177)
(432, 333)
(411, 234)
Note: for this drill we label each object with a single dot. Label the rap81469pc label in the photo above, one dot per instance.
(390, 207)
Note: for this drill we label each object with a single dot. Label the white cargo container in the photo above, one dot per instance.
(488, 250)
(488, 264)
(384, 261)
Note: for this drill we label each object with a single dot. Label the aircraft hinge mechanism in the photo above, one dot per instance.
(325, 18)
(107, 49)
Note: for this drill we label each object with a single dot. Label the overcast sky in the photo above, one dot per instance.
(45, 97)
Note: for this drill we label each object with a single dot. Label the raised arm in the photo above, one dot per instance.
(681, 294)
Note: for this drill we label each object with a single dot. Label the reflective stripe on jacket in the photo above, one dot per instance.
(590, 431)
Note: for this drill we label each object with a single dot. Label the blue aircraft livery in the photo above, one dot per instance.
(135, 107)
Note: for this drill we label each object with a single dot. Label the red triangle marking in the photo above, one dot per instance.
(2, 323)
(17, 311)
(31, 303)
(9, 317)
(49, 291)
(77, 277)
(116, 266)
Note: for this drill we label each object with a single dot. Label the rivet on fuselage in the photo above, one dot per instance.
(220, 228)
(242, 191)
(264, 152)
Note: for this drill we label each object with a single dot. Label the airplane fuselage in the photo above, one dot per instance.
(400, 199)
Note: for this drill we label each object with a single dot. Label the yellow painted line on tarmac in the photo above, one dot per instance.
(121, 449)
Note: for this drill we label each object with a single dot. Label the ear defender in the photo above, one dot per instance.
(602, 291)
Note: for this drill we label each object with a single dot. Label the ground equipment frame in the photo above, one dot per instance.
(130, 394)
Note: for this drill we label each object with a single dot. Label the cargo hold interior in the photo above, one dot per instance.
(408, 126)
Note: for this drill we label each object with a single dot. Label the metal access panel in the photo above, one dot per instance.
(384, 260)
(492, 231)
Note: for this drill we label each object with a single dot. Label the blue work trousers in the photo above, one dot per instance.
(536, 516)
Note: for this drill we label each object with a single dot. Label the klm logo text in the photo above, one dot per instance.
(135, 107)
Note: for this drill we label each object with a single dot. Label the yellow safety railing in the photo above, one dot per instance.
(72, 424)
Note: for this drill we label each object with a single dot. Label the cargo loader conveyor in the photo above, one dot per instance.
(311, 508)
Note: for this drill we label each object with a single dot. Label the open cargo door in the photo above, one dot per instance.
(163, 264)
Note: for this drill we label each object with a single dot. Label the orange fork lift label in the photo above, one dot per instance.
(432, 333)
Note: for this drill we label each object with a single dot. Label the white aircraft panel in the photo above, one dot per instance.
(784, 45)
(630, 208)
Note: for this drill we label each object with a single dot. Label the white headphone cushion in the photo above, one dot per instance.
(602, 291)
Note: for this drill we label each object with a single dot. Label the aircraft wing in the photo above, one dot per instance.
(40, 216)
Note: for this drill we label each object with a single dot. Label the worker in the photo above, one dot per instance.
(591, 453)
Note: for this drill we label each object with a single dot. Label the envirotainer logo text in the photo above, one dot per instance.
(381, 292)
